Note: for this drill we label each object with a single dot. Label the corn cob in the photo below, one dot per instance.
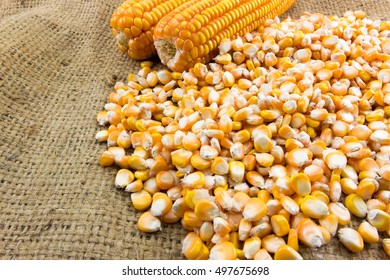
(133, 23)
(191, 33)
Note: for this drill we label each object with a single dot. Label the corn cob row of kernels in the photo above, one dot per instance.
(192, 33)
(257, 157)
(186, 32)
(133, 24)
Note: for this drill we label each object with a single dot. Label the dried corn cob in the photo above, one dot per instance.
(133, 23)
(191, 33)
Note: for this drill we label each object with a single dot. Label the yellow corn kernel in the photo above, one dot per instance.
(170, 217)
(236, 125)
(264, 195)
(222, 226)
(383, 195)
(310, 234)
(233, 238)
(220, 166)
(244, 229)
(192, 246)
(148, 223)
(340, 126)
(314, 172)
(179, 207)
(290, 205)
(300, 183)
(221, 181)
(367, 174)
(142, 175)
(335, 191)
(348, 172)
(191, 219)
(330, 223)
(208, 152)
(135, 186)
(181, 158)
(299, 157)
(206, 210)
(342, 213)
(264, 159)
(241, 136)
(237, 151)
(254, 178)
(336, 160)
(251, 247)
(137, 163)
(254, 209)
(321, 196)
(123, 178)
(351, 239)
(165, 180)
(240, 253)
(239, 201)
(200, 163)
(292, 239)
(263, 144)
(206, 231)
(356, 205)
(271, 243)
(102, 135)
(223, 198)
(141, 200)
(204, 253)
(159, 164)
(325, 234)
(368, 232)
(379, 219)
(386, 245)
(190, 142)
(223, 251)
(113, 138)
(313, 207)
(236, 171)
(277, 194)
(292, 144)
(360, 131)
(376, 115)
(139, 151)
(348, 186)
(286, 252)
(296, 219)
(280, 225)
(107, 158)
(384, 172)
(262, 254)
(161, 204)
(175, 192)
(194, 180)
(261, 230)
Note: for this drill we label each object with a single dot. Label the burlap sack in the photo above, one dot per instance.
(58, 63)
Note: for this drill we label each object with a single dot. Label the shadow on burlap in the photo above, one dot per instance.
(58, 63)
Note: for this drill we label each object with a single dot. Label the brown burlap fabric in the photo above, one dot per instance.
(58, 63)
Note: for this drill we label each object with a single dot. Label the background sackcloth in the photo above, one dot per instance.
(58, 64)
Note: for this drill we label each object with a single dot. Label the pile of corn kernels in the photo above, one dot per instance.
(273, 145)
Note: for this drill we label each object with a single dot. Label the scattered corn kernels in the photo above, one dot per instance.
(288, 126)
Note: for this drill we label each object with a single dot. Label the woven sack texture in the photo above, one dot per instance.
(58, 63)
